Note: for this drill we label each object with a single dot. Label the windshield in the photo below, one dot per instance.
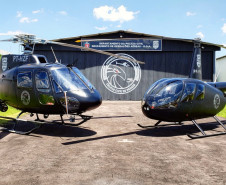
(154, 85)
(65, 79)
(81, 76)
(167, 96)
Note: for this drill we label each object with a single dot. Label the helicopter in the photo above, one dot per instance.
(185, 99)
(31, 84)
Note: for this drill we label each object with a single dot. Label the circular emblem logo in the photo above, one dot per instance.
(120, 76)
(155, 44)
(4, 63)
(216, 101)
(25, 97)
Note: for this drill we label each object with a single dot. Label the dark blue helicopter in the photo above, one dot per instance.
(40, 87)
(185, 99)
(31, 84)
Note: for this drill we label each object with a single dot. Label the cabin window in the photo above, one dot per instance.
(189, 92)
(200, 93)
(24, 80)
(42, 60)
(168, 96)
(42, 81)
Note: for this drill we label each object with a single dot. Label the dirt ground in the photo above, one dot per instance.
(110, 149)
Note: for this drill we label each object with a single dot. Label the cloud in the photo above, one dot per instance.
(190, 14)
(36, 11)
(224, 28)
(27, 20)
(19, 14)
(62, 12)
(101, 28)
(23, 19)
(109, 13)
(200, 35)
(12, 33)
(199, 26)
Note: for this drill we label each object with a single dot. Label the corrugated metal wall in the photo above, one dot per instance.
(173, 61)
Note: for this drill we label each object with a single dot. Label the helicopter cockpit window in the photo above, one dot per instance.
(65, 79)
(168, 96)
(84, 79)
(189, 92)
(200, 93)
(42, 81)
(24, 80)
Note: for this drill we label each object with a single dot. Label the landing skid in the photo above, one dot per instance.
(202, 131)
(85, 119)
(72, 119)
(157, 125)
(39, 122)
(13, 130)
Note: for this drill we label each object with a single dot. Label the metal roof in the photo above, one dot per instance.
(136, 33)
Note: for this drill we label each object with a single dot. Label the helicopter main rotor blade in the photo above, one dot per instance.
(14, 40)
(94, 50)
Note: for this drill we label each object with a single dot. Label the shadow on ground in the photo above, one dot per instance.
(165, 131)
(178, 130)
(68, 130)
(51, 129)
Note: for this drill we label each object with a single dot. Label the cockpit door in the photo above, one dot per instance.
(25, 90)
(43, 88)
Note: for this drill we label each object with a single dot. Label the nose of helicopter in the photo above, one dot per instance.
(95, 101)
(79, 104)
(150, 112)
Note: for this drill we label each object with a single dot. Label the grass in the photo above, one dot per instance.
(222, 113)
(11, 112)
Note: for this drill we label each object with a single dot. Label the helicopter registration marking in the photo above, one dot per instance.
(20, 58)
(25, 97)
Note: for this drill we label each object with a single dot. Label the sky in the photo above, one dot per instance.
(48, 19)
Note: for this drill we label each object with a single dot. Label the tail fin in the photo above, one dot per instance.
(196, 63)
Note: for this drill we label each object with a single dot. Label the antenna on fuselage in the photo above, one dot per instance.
(54, 55)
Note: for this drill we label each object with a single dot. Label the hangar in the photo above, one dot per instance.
(118, 79)
(220, 67)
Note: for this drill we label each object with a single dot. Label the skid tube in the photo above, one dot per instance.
(13, 130)
(72, 119)
(202, 131)
(157, 125)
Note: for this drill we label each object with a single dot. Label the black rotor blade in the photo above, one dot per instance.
(94, 50)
